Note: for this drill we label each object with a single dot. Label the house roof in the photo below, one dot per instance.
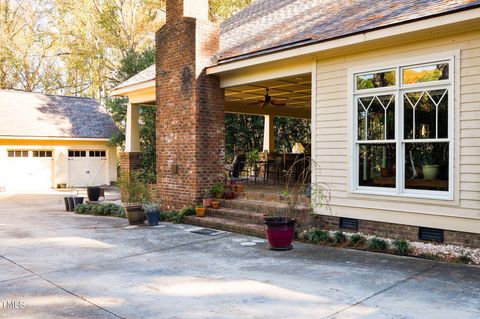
(271, 25)
(25, 114)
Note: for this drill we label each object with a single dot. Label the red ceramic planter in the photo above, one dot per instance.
(280, 232)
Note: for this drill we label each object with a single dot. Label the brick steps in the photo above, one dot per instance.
(236, 214)
(235, 226)
(264, 207)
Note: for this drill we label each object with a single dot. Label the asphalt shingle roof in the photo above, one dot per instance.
(271, 25)
(25, 114)
(281, 24)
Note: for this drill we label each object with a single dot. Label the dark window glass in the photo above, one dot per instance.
(48, 153)
(83, 154)
(35, 154)
(24, 153)
(427, 166)
(102, 154)
(376, 165)
(11, 154)
(71, 153)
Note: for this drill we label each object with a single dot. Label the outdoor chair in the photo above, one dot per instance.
(236, 168)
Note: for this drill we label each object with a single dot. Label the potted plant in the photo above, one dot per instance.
(134, 193)
(431, 166)
(215, 204)
(217, 191)
(280, 227)
(207, 198)
(200, 210)
(93, 193)
(152, 211)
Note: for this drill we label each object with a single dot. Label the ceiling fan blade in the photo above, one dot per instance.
(258, 103)
(264, 104)
(278, 103)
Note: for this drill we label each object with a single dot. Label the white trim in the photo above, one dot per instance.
(313, 121)
(353, 94)
(402, 29)
(36, 138)
(121, 91)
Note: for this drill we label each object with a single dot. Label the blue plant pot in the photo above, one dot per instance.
(153, 218)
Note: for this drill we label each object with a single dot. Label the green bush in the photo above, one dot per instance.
(377, 244)
(339, 237)
(101, 209)
(177, 217)
(317, 236)
(357, 240)
(402, 247)
(464, 259)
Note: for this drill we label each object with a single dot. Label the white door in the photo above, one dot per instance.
(28, 170)
(87, 168)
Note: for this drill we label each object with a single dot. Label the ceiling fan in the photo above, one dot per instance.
(268, 101)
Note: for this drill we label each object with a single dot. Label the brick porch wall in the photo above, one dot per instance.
(129, 162)
(190, 110)
(397, 231)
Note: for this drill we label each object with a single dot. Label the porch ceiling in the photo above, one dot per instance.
(295, 92)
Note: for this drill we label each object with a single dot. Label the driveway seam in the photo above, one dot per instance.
(383, 290)
(61, 288)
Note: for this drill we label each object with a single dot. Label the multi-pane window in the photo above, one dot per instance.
(42, 153)
(17, 153)
(97, 154)
(72, 153)
(403, 134)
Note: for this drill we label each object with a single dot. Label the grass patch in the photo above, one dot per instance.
(101, 209)
(377, 244)
(402, 247)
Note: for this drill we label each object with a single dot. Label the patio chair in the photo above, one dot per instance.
(275, 170)
(236, 168)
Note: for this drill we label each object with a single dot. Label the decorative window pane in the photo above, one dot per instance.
(24, 153)
(11, 154)
(427, 166)
(35, 153)
(376, 165)
(425, 73)
(48, 153)
(375, 80)
(426, 114)
(376, 117)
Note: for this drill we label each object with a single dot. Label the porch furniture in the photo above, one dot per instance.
(237, 166)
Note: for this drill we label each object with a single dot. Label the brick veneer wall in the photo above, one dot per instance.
(397, 231)
(190, 109)
(129, 162)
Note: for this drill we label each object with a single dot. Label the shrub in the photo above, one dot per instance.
(217, 190)
(464, 259)
(377, 244)
(357, 240)
(101, 209)
(317, 236)
(402, 247)
(339, 237)
(177, 217)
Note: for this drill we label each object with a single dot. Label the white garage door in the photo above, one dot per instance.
(28, 170)
(87, 168)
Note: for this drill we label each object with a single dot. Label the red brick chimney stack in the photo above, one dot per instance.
(190, 105)
(197, 9)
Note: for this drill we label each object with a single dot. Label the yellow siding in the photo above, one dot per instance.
(333, 144)
(60, 154)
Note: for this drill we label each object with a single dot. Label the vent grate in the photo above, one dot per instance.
(348, 223)
(430, 234)
(207, 232)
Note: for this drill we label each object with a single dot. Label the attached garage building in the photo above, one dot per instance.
(47, 141)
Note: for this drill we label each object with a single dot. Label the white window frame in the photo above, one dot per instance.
(399, 141)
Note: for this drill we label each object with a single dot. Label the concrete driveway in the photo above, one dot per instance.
(55, 264)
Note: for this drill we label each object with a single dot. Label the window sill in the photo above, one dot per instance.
(428, 195)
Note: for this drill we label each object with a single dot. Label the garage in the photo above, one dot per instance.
(87, 168)
(28, 169)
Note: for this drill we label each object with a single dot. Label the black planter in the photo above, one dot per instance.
(71, 204)
(153, 218)
(93, 193)
(67, 206)
(77, 201)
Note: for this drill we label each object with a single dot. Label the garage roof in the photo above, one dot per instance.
(25, 114)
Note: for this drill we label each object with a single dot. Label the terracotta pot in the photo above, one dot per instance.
(135, 214)
(280, 232)
(200, 211)
(239, 188)
(207, 202)
(228, 195)
(216, 204)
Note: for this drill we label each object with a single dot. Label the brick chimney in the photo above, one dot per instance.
(190, 105)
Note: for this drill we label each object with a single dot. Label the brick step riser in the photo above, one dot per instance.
(257, 208)
(243, 217)
(205, 222)
(268, 197)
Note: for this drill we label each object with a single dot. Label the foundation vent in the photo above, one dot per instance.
(430, 234)
(348, 223)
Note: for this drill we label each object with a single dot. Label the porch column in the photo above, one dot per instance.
(132, 132)
(268, 134)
